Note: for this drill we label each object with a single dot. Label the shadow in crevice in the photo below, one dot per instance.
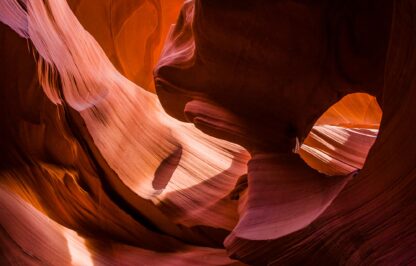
(165, 170)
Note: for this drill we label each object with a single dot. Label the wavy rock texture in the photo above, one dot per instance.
(283, 97)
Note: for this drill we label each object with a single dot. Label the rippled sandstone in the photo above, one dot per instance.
(94, 170)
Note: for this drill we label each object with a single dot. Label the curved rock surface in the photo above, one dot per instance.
(277, 166)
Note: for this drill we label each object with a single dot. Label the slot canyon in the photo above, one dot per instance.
(207, 132)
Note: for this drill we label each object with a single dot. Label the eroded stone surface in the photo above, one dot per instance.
(106, 164)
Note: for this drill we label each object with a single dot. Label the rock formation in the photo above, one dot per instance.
(269, 133)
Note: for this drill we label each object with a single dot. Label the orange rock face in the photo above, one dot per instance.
(281, 132)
